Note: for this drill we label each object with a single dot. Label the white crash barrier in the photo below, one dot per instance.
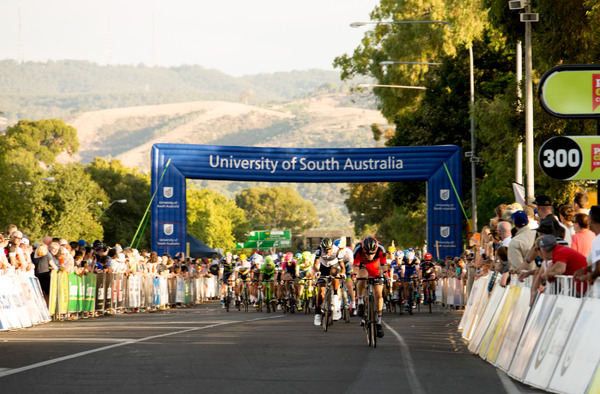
(451, 292)
(22, 303)
(552, 345)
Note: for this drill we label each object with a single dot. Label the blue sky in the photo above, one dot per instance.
(237, 37)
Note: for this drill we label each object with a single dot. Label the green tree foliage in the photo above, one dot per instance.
(367, 204)
(277, 208)
(27, 150)
(121, 221)
(215, 219)
(68, 211)
(410, 42)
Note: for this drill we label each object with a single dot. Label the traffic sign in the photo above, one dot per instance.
(571, 157)
(259, 245)
(269, 235)
(571, 91)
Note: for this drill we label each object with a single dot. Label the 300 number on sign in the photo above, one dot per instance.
(561, 158)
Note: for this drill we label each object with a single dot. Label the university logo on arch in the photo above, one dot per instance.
(168, 229)
(444, 194)
(168, 191)
(445, 231)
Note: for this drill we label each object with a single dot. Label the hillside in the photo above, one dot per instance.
(129, 133)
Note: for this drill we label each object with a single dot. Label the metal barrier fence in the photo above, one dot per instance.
(22, 303)
(451, 292)
(99, 293)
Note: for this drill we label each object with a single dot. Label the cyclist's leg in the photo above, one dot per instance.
(361, 286)
(350, 289)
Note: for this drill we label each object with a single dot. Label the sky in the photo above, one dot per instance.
(237, 37)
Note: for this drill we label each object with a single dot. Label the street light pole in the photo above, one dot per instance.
(474, 159)
(529, 111)
(111, 204)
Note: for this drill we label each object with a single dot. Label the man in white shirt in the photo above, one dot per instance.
(504, 233)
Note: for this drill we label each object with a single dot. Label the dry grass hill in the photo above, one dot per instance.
(127, 134)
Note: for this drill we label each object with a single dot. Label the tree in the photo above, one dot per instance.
(121, 221)
(65, 212)
(277, 207)
(417, 42)
(27, 150)
(215, 219)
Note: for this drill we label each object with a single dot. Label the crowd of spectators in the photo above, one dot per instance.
(79, 257)
(535, 241)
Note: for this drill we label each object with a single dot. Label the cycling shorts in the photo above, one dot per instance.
(226, 276)
(408, 272)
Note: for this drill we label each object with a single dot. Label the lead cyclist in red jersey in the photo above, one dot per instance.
(369, 258)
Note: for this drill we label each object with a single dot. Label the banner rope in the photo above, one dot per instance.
(458, 198)
(150, 203)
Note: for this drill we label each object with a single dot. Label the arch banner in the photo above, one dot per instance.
(340, 165)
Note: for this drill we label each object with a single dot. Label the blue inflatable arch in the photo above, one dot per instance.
(174, 163)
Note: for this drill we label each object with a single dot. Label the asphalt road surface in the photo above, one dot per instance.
(203, 349)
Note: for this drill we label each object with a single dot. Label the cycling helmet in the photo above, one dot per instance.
(370, 245)
(400, 254)
(326, 243)
(392, 249)
(289, 256)
(428, 256)
(243, 257)
(268, 259)
(298, 255)
(340, 242)
(410, 254)
(306, 255)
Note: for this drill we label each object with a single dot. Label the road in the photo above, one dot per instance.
(205, 349)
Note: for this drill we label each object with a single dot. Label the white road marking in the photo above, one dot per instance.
(413, 380)
(128, 342)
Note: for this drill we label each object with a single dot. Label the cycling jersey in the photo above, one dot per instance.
(290, 268)
(346, 256)
(267, 272)
(326, 262)
(373, 266)
(397, 268)
(428, 269)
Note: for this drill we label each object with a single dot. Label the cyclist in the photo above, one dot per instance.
(290, 271)
(411, 265)
(327, 263)
(257, 262)
(397, 272)
(428, 273)
(346, 256)
(304, 264)
(243, 275)
(267, 275)
(369, 258)
(227, 272)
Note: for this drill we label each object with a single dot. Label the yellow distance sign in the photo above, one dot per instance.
(571, 157)
(571, 91)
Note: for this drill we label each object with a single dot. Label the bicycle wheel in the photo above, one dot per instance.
(326, 310)
(410, 300)
(227, 301)
(245, 298)
(366, 323)
(429, 299)
(373, 321)
(418, 299)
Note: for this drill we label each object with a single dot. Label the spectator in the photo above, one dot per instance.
(4, 263)
(504, 231)
(16, 257)
(521, 243)
(583, 237)
(580, 203)
(544, 206)
(503, 266)
(499, 211)
(566, 213)
(592, 270)
(530, 211)
(565, 261)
